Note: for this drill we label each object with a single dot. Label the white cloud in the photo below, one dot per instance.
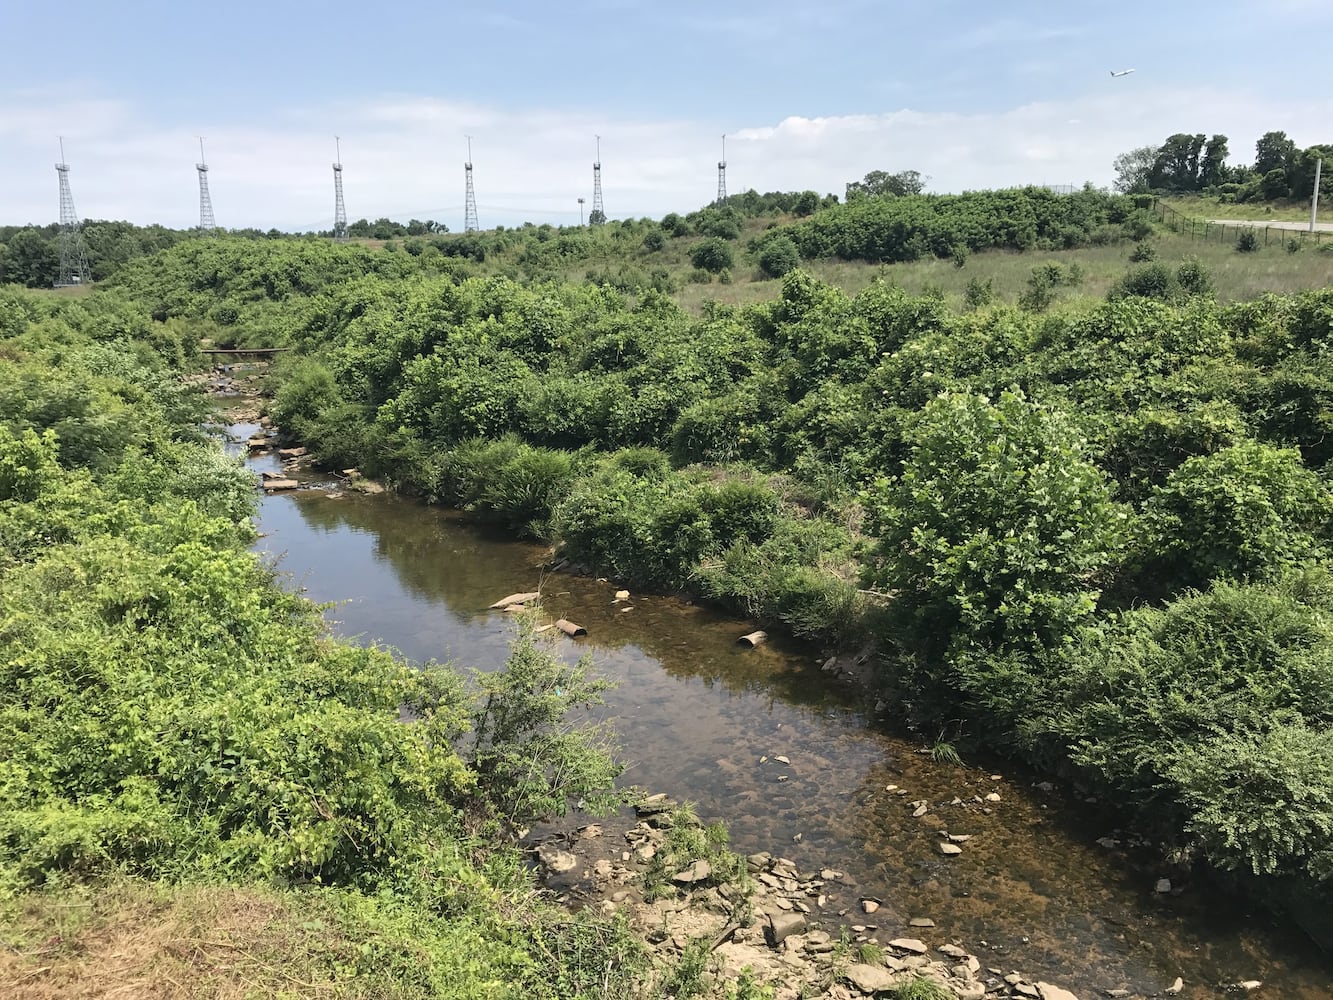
(403, 154)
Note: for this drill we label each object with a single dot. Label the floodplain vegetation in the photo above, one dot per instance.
(1092, 529)
(201, 794)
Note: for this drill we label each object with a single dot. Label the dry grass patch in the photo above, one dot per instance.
(132, 939)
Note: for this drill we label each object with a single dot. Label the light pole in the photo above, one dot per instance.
(580, 213)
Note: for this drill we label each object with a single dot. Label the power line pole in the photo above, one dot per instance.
(339, 209)
(722, 174)
(1314, 199)
(470, 224)
(73, 254)
(580, 213)
(206, 223)
(597, 216)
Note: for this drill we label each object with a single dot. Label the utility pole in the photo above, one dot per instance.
(1314, 198)
(73, 253)
(580, 213)
(339, 209)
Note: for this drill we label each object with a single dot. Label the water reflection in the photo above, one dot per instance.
(696, 713)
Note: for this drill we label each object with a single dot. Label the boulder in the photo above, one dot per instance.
(697, 872)
(870, 978)
(1049, 992)
(781, 926)
(908, 944)
(556, 859)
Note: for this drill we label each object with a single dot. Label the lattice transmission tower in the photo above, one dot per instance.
(470, 224)
(206, 223)
(597, 216)
(73, 254)
(339, 209)
(722, 174)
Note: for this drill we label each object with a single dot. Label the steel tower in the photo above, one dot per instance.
(206, 223)
(722, 174)
(470, 224)
(339, 209)
(597, 216)
(73, 254)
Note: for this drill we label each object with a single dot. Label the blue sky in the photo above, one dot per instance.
(972, 94)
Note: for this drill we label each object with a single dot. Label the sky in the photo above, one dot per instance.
(810, 94)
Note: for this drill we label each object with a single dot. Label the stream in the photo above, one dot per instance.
(696, 714)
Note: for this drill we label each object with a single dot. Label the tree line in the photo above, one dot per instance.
(1186, 163)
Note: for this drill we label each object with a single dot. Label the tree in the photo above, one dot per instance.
(1300, 176)
(806, 204)
(1132, 169)
(596, 217)
(1273, 151)
(31, 259)
(879, 184)
(1213, 169)
(1177, 165)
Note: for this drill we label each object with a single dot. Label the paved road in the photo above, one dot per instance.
(1323, 227)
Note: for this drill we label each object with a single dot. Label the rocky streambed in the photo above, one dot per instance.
(800, 934)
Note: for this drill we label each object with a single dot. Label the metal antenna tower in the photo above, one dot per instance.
(722, 174)
(206, 223)
(73, 254)
(339, 209)
(470, 224)
(597, 216)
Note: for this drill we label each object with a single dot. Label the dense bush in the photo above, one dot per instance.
(997, 530)
(778, 256)
(712, 255)
(906, 228)
(1247, 512)
(1213, 715)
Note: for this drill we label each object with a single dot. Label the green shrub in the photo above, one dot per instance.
(712, 255)
(1246, 512)
(508, 481)
(654, 240)
(306, 389)
(1142, 253)
(978, 294)
(1193, 277)
(1150, 281)
(1247, 241)
(778, 256)
(530, 765)
(1212, 715)
(998, 528)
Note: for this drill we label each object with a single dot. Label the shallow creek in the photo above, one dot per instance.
(695, 713)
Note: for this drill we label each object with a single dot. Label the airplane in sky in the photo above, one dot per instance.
(1123, 72)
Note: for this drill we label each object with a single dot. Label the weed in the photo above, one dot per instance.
(921, 988)
(869, 953)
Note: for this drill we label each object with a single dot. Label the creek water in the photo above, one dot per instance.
(696, 714)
